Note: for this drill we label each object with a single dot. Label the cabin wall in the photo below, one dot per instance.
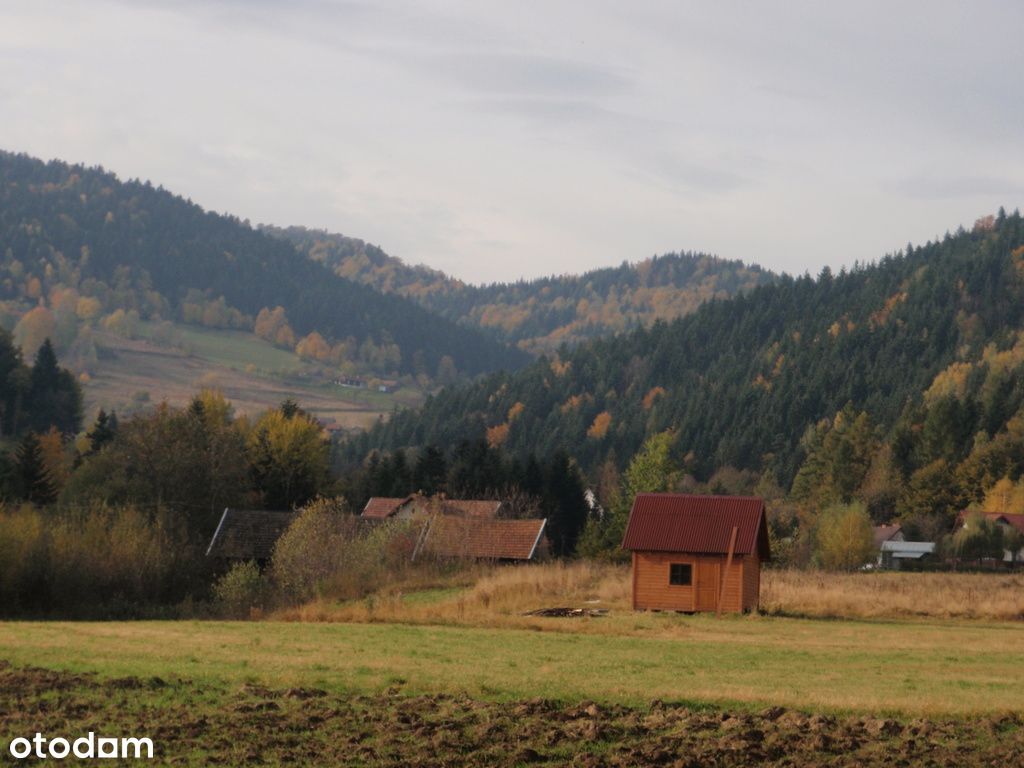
(652, 591)
(751, 582)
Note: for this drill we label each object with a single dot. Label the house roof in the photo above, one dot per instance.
(908, 549)
(476, 537)
(380, 506)
(668, 522)
(886, 532)
(248, 534)
(1012, 519)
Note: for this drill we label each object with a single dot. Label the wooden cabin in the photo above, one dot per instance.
(697, 553)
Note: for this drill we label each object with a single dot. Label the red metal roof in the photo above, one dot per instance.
(477, 537)
(380, 506)
(670, 522)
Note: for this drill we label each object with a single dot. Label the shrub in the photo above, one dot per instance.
(240, 591)
(844, 537)
(327, 551)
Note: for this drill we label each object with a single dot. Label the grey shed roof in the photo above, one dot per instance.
(248, 534)
(908, 549)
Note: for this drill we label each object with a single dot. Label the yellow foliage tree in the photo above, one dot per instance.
(600, 426)
(313, 347)
(36, 326)
(88, 308)
(1005, 496)
(515, 411)
(496, 436)
(651, 396)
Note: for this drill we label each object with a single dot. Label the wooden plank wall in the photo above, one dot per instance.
(751, 582)
(651, 590)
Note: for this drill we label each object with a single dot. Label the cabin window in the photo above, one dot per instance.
(680, 574)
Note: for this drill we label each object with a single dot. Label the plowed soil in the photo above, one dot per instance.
(196, 723)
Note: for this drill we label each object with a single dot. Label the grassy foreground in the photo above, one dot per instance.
(880, 667)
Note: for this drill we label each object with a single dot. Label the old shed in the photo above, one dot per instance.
(697, 553)
(248, 534)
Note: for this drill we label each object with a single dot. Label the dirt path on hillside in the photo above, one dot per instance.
(197, 724)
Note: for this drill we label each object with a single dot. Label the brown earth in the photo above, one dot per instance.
(196, 723)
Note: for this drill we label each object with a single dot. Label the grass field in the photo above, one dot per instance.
(252, 373)
(445, 670)
(909, 668)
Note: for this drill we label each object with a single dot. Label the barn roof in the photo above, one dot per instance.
(476, 537)
(381, 506)
(669, 522)
(248, 534)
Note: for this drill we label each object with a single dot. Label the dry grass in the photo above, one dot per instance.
(894, 595)
(499, 596)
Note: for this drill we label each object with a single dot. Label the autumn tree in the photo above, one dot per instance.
(288, 456)
(36, 326)
(844, 538)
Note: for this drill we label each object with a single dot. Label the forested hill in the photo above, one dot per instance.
(540, 315)
(926, 347)
(134, 247)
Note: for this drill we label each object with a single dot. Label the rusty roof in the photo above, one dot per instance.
(248, 534)
(380, 506)
(476, 537)
(671, 522)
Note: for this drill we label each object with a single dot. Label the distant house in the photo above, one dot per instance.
(895, 554)
(248, 534)
(478, 538)
(1007, 521)
(697, 553)
(891, 532)
(418, 505)
(388, 385)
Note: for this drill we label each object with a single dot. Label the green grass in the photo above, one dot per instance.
(906, 668)
(234, 349)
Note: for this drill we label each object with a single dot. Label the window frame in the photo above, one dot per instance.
(685, 572)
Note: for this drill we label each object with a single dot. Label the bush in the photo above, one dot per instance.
(241, 591)
(844, 537)
(327, 551)
(100, 561)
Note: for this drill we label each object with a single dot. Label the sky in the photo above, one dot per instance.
(496, 141)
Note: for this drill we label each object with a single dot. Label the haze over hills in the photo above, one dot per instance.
(540, 315)
(906, 376)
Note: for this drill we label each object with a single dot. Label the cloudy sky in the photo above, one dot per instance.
(500, 140)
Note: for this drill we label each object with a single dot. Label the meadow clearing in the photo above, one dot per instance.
(252, 373)
(452, 673)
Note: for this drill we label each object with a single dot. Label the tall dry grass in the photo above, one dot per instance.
(499, 596)
(893, 595)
